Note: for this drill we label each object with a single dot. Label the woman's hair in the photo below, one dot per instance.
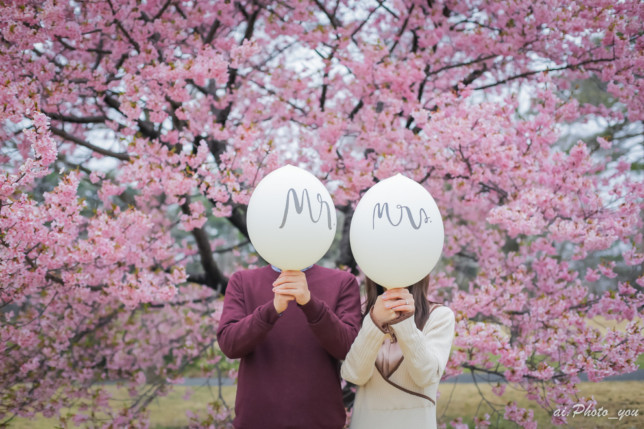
(418, 291)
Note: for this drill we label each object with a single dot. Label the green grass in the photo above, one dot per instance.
(165, 412)
(460, 400)
(455, 400)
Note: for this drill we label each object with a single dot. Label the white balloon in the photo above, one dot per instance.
(396, 232)
(291, 218)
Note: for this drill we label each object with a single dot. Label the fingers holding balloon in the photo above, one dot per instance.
(401, 305)
(290, 276)
(399, 300)
(381, 314)
(396, 293)
(295, 292)
(293, 283)
(280, 302)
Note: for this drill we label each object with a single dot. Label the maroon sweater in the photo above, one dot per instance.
(289, 371)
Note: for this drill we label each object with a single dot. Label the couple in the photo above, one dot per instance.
(293, 329)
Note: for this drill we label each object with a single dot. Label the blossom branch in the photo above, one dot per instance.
(547, 70)
(69, 137)
(214, 277)
(332, 18)
(76, 119)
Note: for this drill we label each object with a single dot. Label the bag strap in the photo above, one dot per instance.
(404, 389)
(433, 306)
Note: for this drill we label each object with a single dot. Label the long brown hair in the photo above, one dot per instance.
(418, 291)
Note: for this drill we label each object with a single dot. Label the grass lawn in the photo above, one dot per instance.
(463, 399)
(456, 399)
(165, 412)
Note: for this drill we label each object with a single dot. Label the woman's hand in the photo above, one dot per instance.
(380, 314)
(391, 304)
(291, 284)
(400, 300)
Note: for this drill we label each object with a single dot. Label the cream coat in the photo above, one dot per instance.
(379, 404)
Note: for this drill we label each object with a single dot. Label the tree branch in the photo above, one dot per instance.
(235, 246)
(61, 133)
(76, 119)
(103, 321)
(181, 303)
(346, 255)
(214, 277)
(362, 24)
(146, 128)
(325, 86)
(211, 33)
(530, 73)
(356, 109)
(402, 29)
(238, 220)
(334, 21)
(465, 64)
(487, 371)
(248, 34)
(160, 12)
(487, 187)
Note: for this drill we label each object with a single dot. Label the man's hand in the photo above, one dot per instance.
(292, 283)
(281, 302)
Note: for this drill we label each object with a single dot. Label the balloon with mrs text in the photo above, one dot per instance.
(396, 232)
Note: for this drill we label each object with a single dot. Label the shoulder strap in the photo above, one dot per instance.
(404, 389)
(433, 306)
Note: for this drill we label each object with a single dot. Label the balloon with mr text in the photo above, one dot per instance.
(291, 218)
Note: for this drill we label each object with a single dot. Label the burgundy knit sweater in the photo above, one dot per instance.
(289, 370)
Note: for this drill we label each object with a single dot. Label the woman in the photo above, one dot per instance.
(398, 358)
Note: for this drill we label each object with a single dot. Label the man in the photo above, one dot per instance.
(290, 351)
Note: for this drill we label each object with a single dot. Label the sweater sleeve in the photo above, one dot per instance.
(239, 332)
(360, 362)
(427, 352)
(337, 329)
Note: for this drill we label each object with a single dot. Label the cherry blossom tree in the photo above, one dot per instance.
(130, 128)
